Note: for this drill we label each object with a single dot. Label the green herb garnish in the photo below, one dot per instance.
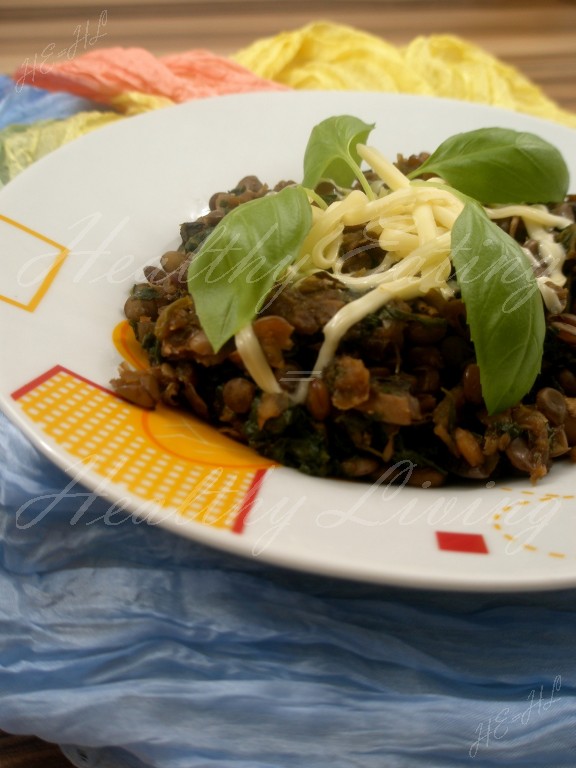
(499, 165)
(239, 262)
(331, 152)
(504, 309)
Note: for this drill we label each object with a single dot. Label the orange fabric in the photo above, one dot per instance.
(102, 75)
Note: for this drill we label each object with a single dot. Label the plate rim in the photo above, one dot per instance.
(204, 534)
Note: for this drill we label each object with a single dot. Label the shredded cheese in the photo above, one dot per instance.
(425, 223)
(255, 361)
(530, 213)
(387, 171)
(412, 223)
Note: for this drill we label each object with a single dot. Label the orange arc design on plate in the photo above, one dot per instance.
(208, 479)
(45, 283)
(178, 433)
(535, 499)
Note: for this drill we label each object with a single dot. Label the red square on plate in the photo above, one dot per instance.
(462, 542)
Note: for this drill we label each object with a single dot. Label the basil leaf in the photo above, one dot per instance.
(331, 151)
(504, 308)
(500, 165)
(239, 262)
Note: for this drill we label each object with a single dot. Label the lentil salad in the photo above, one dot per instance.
(402, 382)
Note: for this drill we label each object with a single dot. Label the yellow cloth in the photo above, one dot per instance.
(135, 102)
(326, 56)
(21, 145)
(321, 55)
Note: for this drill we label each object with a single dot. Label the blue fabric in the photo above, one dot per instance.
(133, 648)
(149, 650)
(24, 104)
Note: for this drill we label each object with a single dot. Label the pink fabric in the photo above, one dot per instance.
(103, 74)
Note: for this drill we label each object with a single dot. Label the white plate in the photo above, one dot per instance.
(74, 231)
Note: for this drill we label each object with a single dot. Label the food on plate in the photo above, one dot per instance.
(419, 314)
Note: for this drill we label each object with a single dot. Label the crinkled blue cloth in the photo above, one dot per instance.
(144, 649)
(24, 104)
(131, 647)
